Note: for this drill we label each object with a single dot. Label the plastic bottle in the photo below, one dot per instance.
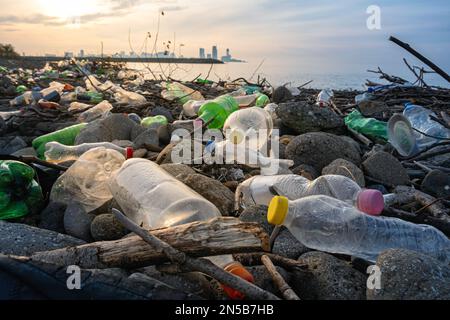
(368, 126)
(192, 107)
(324, 97)
(128, 97)
(253, 124)
(152, 197)
(135, 117)
(180, 92)
(78, 106)
(100, 110)
(57, 152)
(272, 108)
(260, 190)
(327, 224)
(258, 99)
(90, 96)
(419, 117)
(65, 136)
(86, 181)
(20, 194)
(216, 112)
(147, 122)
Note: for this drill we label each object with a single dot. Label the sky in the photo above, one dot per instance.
(312, 36)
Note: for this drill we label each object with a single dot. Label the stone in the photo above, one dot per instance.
(161, 111)
(306, 171)
(123, 143)
(25, 152)
(281, 94)
(257, 214)
(328, 278)
(176, 169)
(264, 280)
(288, 246)
(437, 183)
(9, 145)
(370, 108)
(106, 227)
(410, 275)
(52, 217)
(23, 240)
(148, 139)
(212, 190)
(319, 149)
(140, 153)
(347, 169)
(77, 222)
(3, 127)
(114, 127)
(385, 168)
(136, 131)
(303, 118)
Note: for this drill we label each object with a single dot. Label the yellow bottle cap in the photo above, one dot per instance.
(278, 209)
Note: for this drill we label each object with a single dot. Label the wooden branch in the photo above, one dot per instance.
(436, 209)
(408, 48)
(278, 279)
(201, 265)
(199, 239)
(254, 258)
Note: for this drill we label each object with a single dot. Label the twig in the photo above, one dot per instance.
(305, 84)
(209, 72)
(274, 235)
(277, 278)
(259, 66)
(200, 265)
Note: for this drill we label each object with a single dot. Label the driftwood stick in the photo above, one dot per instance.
(278, 279)
(254, 259)
(201, 265)
(435, 208)
(408, 48)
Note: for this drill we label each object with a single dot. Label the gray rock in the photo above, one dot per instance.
(212, 190)
(303, 118)
(148, 139)
(193, 282)
(3, 126)
(328, 278)
(319, 149)
(123, 143)
(386, 169)
(176, 169)
(9, 145)
(136, 131)
(288, 246)
(25, 152)
(306, 171)
(52, 217)
(77, 222)
(23, 240)
(161, 111)
(409, 275)
(106, 227)
(114, 127)
(281, 94)
(264, 280)
(257, 214)
(437, 183)
(347, 169)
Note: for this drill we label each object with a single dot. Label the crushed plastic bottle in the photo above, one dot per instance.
(78, 106)
(86, 181)
(127, 97)
(177, 91)
(272, 108)
(192, 107)
(65, 136)
(89, 96)
(147, 122)
(56, 152)
(99, 111)
(324, 98)
(216, 112)
(152, 197)
(368, 126)
(20, 194)
(331, 225)
(257, 99)
(260, 190)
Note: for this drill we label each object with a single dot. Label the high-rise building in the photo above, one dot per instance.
(209, 56)
(202, 53)
(68, 54)
(215, 52)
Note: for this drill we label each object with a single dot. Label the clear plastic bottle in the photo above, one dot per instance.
(152, 197)
(57, 152)
(86, 181)
(99, 111)
(177, 91)
(331, 225)
(260, 190)
(324, 97)
(192, 107)
(419, 117)
(78, 106)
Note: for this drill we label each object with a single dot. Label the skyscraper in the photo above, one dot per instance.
(202, 53)
(215, 53)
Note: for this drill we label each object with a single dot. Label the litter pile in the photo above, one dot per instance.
(232, 178)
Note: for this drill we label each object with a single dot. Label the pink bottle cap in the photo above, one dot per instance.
(129, 153)
(371, 202)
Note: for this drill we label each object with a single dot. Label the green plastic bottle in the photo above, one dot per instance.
(21, 89)
(262, 101)
(20, 194)
(147, 122)
(64, 136)
(368, 126)
(217, 111)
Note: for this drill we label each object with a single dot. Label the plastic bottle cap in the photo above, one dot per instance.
(129, 153)
(278, 210)
(238, 270)
(370, 201)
